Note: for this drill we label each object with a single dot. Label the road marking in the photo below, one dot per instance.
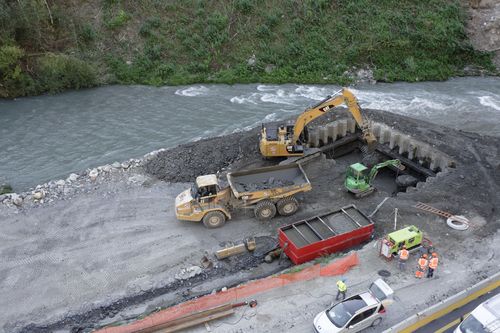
(453, 323)
(424, 321)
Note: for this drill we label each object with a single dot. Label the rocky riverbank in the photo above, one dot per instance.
(130, 171)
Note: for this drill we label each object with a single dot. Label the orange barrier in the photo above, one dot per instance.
(238, 293)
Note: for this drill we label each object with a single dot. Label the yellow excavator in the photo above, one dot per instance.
(288, 140)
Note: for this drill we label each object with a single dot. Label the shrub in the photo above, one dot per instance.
(14, 81)
(244, 6)
(87, 34)
(58, 72)
(148, 26)
(119, 20)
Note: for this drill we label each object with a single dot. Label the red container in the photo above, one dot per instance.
(324, 234)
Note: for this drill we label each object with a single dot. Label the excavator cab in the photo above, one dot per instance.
(277, 141)
(357, 177)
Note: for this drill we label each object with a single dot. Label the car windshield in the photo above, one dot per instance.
(472, 325)
(341, 313)
(377, 292)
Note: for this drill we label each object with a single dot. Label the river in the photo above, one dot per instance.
(48, 137)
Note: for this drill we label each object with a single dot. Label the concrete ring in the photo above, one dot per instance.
(458, 222)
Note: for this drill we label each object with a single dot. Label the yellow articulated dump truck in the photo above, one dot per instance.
(265, 190)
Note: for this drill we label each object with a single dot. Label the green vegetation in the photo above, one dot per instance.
(5, 188)
(49, 46)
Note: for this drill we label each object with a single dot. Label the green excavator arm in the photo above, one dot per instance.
(377, 167)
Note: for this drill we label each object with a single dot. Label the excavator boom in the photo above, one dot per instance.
(287, 140)
(344, 96)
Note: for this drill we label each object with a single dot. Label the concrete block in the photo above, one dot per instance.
(394, 140)
(434, 160)
(351, 125)
(332, 130)
(323, 134)
(412, 150)
(314, 138)
(403, 144)
(343, 128)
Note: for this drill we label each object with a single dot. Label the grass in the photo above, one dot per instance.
(194, 41)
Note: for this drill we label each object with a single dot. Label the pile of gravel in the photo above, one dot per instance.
(185, 162)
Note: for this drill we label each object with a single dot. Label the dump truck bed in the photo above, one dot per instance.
(275, 181)
(325, 234)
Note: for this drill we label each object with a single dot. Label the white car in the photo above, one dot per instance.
(483, 319)
(356, 312)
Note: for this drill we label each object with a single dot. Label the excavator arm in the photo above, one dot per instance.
(344, 96)
(376, 168)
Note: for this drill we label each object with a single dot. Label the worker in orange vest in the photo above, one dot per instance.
(433, 264)
(404, 254)
(422, 266)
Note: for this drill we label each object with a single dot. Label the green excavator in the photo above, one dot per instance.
(359, 181)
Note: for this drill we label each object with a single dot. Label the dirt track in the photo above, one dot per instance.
(81, 262)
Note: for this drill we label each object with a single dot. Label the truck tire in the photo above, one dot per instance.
(287, 206)
(214, 219)
(265, 210)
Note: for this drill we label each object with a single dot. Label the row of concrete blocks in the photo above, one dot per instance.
(416, 150)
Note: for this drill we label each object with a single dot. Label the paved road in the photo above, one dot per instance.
(450, 321)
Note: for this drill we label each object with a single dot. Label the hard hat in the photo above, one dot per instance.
(424, 255)
(404, 247)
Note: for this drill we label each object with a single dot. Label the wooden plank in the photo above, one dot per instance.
(195, 322)
(187, 318)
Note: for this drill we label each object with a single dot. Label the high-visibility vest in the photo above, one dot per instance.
(403, 254)
(433, 263)
(422, 263)
(341, 285)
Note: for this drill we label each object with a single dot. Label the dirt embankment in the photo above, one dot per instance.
(483, 26)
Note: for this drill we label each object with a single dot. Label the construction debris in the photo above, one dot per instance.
(231, 250)
(248, 245)
(378, 207)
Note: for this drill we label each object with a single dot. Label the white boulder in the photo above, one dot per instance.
(16, 199)
(72, 177)
(93, 174)
(38, 195)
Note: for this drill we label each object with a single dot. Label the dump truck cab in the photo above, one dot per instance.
(205, 187)
(204, 201)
